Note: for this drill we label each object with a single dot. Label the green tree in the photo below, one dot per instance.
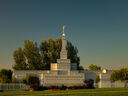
(97, 79)
(121, 74)
(34, 58)
(51, 52)
(44, 48)
(20, 60)
(93, 67)
(5, 76)
(32, 80)
(4, 79)
(72, 55)
(115, 75)
(89, 84)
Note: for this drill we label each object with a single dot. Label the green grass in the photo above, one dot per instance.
(79, 92)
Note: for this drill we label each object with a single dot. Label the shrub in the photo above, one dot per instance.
(5, 76)
(63, 87)
(31, 80)
(97, 79)
(89, 84)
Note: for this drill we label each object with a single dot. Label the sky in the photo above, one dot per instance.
(98, 28)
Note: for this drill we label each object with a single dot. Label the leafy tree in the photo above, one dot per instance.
(72, 55)
(124, 74)
(5, 76)
(4, 79)
(121, 74)
(89, 84)
(93, 67)
(20, 60)
(31, 80)
(34, 59)
(80, 68)
(115, 75)
(97, 79)
(51, 52)
(44, 48)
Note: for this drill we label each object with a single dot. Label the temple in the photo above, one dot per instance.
(63, 72)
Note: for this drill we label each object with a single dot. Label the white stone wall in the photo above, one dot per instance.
(117, 84)
(59, 80)
(69, 77)
(21, 74)
(91, 75)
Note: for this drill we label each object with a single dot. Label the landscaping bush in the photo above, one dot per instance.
(31, 80)
(63, 87)
(89, 84)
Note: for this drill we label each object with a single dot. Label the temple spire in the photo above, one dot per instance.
(63, 30)
(63, 53)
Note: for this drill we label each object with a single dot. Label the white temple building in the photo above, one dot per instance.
(65, 73)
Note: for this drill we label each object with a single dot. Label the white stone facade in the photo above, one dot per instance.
(65, 73)
(69, 78)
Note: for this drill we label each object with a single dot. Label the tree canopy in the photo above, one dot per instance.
(20, 60)
(5, 76)
(121, 74)
(34, 57)
(97, 79)
(32, 80)
(93, 67)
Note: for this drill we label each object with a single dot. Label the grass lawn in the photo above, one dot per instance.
(79, 92)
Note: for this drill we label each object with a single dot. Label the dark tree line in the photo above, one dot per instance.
(5, 76)
(93, 67)
(34, 57)
(120, 75)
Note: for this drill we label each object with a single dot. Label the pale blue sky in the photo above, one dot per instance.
(99, 28)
